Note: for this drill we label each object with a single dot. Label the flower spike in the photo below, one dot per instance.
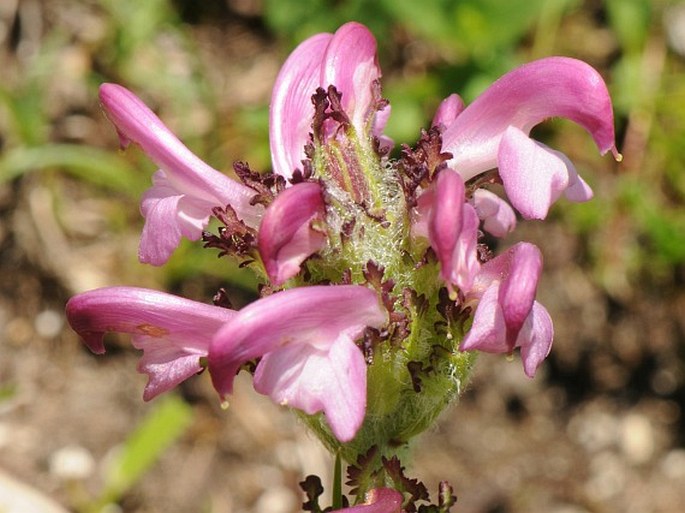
(185, 189)
(305, 337)
(376, 276)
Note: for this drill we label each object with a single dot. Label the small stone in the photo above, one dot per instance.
(18, 497)
(607, 476)
(594, 430)
(674, 22)
(72, 462)
(279, 499)
(18, 331)
(637, 438)
(48, 323)
(673, 465)
(5, 434)
(568, 508)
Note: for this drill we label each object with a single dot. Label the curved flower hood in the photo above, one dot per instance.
(493, 130)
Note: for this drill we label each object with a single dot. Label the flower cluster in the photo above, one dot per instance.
(378, 283)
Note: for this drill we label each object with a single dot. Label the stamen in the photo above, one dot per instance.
(618, 157)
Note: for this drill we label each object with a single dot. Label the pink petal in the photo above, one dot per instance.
(551, 87)
(447, 111)
(535, 339)
(465, 264)
(533, 175)
(183, 174)
(313, 380)
(453, 231)
(286, 237)
(291, 112)
(498, 217)
(488, 331)
(346, 60)
(168, 217)
(519, 286)
(166, 365)
(381, 119)
(351, 65)
(507, 315)
(318, 318)
(578, 190)
(172, 332)
(161, 233)
(499, 268)
(378, 500)
(187, 172)
(446, 219)
(420, 215)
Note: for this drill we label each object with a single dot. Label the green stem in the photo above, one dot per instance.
(337, 482)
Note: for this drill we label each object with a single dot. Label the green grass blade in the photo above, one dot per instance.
(92, 165)
(145, 445)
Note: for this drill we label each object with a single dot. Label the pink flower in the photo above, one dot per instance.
(346, 60)
(493, 131)
(305, 338)
(185, 190)
(174, 333)
(507, 315)
(497, 216)
(452, 229)
(286, 235)
(378, 500)
(447, 111)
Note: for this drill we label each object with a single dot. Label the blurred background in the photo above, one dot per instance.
(602, 427)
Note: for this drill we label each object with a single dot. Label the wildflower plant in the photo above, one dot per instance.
(378, 288)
